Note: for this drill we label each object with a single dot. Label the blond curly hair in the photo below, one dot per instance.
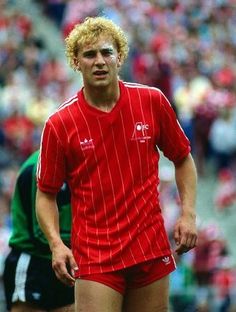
(89, 31)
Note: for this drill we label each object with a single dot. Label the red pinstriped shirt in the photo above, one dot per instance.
(111, 163)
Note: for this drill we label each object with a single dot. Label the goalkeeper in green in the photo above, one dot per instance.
(29, 281)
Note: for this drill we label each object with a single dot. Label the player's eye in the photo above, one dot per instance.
(107, 52)
(89, 54)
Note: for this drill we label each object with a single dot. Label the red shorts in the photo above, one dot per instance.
(136, 276)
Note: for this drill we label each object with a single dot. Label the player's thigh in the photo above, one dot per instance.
(24, 307)
(91, 296)
(151, 298)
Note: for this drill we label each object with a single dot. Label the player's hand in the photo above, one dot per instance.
(185, 234)
(63, 264)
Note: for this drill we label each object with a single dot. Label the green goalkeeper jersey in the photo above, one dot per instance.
(26, 233)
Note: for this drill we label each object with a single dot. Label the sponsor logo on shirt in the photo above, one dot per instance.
(140, 132)
(87, 144)
(166, 260)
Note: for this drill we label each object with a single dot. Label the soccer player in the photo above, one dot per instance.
(105, 142)
(29, 280)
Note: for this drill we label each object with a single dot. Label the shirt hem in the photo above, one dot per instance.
(99, 269)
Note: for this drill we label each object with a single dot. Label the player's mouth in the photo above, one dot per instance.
(100, 73)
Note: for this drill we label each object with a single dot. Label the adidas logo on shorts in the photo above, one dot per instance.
(166, 260)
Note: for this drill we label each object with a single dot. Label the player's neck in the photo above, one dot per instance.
(103, 98)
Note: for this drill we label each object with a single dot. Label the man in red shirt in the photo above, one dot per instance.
(104, 141)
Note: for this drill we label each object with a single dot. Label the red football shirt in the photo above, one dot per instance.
(110, 161)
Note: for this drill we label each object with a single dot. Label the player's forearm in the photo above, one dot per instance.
(186, 180)
(48, 217)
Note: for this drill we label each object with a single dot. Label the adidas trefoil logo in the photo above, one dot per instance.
(87, 144)
(166, 260)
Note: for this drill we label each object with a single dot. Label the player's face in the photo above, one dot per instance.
(99, 63)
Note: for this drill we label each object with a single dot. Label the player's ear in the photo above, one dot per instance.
(119, 62)
(76, 62)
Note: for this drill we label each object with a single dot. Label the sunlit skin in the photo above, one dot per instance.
(99, 64)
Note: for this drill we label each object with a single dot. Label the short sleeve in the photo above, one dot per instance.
(51, 163)
(172, 140)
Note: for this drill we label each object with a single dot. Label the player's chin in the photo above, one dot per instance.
(101, 79)
(101, 83)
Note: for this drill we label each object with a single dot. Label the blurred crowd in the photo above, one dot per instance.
(187, 49)
(205, 279)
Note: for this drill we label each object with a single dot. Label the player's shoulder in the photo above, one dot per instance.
(62, 110)
(27, 169)
(69, 102)
(29, 162)
(142, 88)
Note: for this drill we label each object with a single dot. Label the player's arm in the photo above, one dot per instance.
(185, 231)
(47, 213)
